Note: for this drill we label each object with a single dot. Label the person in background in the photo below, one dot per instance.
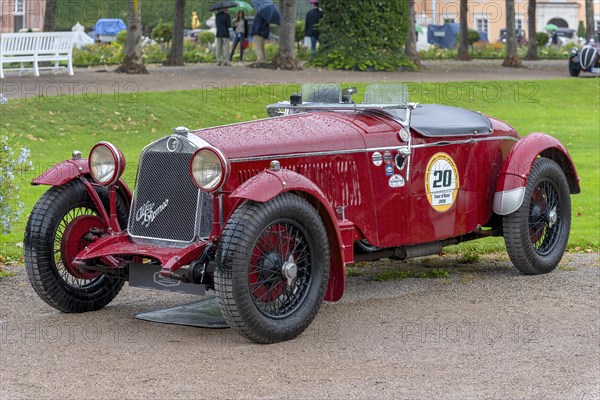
(223, 22)
(312, 18)
(554, 40)
(240, 26)
(261, 31)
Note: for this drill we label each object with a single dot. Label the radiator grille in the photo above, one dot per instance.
(167, 206)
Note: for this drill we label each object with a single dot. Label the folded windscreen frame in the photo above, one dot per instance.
(321, 92)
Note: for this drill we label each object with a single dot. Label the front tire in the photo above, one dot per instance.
(536, 234)
(272, 268)
(55, 233)
(574, 69)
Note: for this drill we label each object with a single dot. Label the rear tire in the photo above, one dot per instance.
(536, 234)
(55, 216)
(272, 268)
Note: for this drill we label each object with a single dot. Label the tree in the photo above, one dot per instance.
(463, 45)
(133, 62)
(286, 57)
(50, 16)
(176, 54)
(532, 50)
(512, 58)
(410, 47)
(589, 19)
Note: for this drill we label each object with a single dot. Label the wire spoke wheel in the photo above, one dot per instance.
(536, 234)
(62, 223)
(280, 269)
(272, 268)
(544, 217)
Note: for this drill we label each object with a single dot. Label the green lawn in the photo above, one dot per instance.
(568, 109)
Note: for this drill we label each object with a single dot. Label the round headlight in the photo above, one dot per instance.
(209, 169)
(106, 163)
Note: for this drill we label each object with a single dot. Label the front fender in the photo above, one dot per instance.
(63, 173)
(69, 170)
(268, 184)
(510, 187)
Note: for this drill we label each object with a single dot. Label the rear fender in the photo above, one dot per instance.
(268, 184)
(510, 187)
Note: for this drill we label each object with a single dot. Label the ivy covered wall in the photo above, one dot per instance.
(363, 35)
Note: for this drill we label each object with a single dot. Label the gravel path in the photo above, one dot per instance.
(484, 332)
(94, 81)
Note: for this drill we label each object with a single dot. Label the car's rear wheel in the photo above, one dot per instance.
(536, 234)
(272, 268)
(59, 227)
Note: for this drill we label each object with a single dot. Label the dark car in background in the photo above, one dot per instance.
(587, 59)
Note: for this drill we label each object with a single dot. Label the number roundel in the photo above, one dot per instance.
(441, 182)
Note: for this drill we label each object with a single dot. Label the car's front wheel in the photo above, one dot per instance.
(536, 234)
(61, 224)
(574, 69)
(272, 268)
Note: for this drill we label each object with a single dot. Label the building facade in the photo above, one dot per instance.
(489, 15)
(17, 15)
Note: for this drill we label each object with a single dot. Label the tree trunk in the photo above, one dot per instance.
(176, 54)
(286, 57)
(410, 46)
(532, 51)
(512, 58)
(133, 62)
(49, 16)
(463, 45)
(589, 19)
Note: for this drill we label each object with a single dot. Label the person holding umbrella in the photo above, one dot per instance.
(223, 22)
(312, 19)
(240, 26)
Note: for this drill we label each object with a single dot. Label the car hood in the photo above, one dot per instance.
(301, 133)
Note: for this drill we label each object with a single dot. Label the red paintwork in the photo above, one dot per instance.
(269, 184)
(517, 165)
(373, 210)
(63, 173)
(73, 241)
(170, 258)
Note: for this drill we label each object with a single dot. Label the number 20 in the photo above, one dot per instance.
(442, 178)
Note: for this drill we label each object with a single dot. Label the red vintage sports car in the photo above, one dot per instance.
(268, 213)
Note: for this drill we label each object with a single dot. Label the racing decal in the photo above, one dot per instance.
(441, 182)
(388, 158)
(389, 170)
(377, 159)
(396, 181)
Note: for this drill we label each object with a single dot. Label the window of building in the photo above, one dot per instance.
(518, 23)
(482, 24)
(19, 8)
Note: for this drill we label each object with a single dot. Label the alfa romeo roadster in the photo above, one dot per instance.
(270, 218)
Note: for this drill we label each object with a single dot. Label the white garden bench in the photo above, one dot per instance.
(33, 47)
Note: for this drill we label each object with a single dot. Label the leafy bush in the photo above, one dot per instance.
(121, 37)
(581, 29)
(542, 39)
(299, 35)
(98, 55)
(163, 32)
(363, 35)
(472, 37)
(154, 54)
(496, 51)
(206, 38)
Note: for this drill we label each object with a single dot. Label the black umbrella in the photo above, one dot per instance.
(223, 4)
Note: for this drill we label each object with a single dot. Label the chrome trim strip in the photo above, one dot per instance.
(508, 201)
(351, 151)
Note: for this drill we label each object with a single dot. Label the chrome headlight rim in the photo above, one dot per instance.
(118, 163)
(224, 164)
